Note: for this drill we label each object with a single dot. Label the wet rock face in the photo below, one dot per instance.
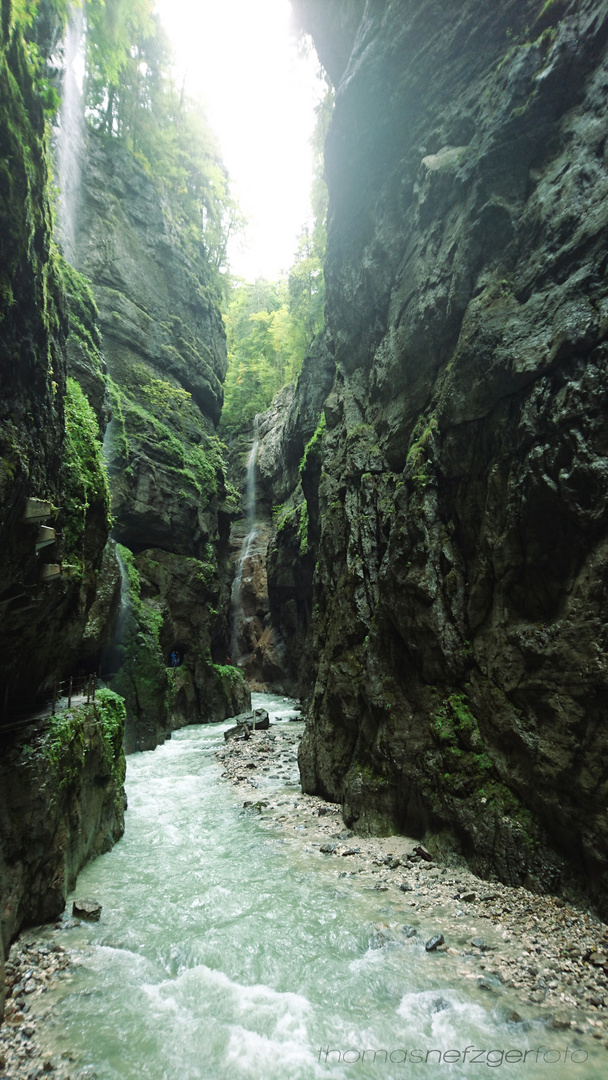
(460, 590)
(62, 802)
(41, 625)
(289, 462)
(165, 350)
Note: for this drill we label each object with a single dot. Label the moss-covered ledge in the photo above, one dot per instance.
(62, 802)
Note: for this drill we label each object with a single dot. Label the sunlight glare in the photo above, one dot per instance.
(240, 59)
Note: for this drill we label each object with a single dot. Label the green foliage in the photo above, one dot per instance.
(130, 95)
(25, 12)
(30, 291)
(61, 749)
(41, 24)
(420, 443)
(85, 481)
(270, 324)
(158, 417)
(64, 746)
(228, 673)
(111, 713)
(163, 396)
(464, 717)
(263, 349)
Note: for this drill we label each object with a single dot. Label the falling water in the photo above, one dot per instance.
(113, 657)
(70, 136)
(248, 542)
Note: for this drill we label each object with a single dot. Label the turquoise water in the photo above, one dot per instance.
(225, 952)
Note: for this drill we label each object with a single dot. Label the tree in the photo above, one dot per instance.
(269, 325)
(130, 95)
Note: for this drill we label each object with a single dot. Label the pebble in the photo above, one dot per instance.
(31, 969)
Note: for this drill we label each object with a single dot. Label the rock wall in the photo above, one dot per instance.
(61, 796)
(164, 346)
(459, 640)
(41, 624)
(62, 803)
(289, 462)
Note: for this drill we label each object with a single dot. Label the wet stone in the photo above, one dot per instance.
(434, 942)
(560, 1021)
(87, 909)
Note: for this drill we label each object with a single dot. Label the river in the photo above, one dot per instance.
(226, 953)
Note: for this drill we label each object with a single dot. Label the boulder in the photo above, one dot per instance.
(90, 910)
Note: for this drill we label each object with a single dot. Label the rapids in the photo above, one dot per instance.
(226, 952)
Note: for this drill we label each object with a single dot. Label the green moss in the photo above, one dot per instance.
(85, 480)
(143, 679)
(314, 446)
(70, 735)
(302, 533)
(83, 315)
(64, 746)
(30, 287)
(111, 713)
(156, 418)
(427, 430)
(371, 780)
(228, 674)
(464, 717)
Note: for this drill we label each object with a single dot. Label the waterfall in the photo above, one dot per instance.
(70, 136)
(239, 650)
(113, 657)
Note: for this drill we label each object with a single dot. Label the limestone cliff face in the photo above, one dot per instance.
(289, 461)
(43, 618)
(460, 589)
(164, 346)
(61, 798)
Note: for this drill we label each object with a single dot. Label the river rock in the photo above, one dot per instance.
(87, 909)
(560, 1021)
(434, 942)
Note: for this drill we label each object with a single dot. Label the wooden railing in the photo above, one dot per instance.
(20, 711)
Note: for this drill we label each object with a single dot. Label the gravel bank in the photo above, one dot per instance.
(547, 957)
(37, 959)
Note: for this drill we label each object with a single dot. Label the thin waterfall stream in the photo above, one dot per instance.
(238, 645)
(228, 950)
(70, 135)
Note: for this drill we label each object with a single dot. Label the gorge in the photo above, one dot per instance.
(423, 557)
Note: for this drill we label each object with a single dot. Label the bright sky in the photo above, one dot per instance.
(240, 58)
